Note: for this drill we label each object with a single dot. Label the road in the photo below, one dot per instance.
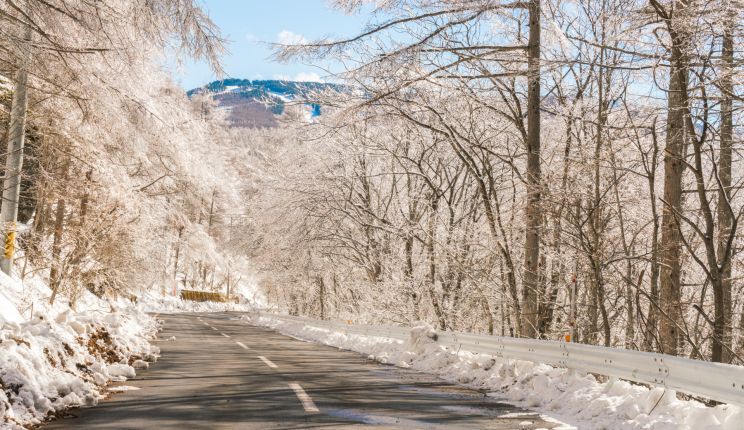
(221, 373)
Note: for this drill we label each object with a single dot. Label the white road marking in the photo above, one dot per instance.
(267, 361)
(307, 402)
(224, 335)
(213, 328)
(242, 345)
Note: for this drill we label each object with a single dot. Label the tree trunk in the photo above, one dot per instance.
(724, 195)
(597, 221)
(532, 211)
(670, 246)
(408, 275)
(431, 275)
(651, 333)
(86, 197)
(55, 272)
(59, 219)
(321, 294)
(175, 260)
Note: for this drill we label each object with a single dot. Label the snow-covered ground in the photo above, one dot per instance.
(54, 357)
(247, 293)
(167, 304)
(578, 401)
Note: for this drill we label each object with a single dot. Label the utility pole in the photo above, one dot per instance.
(14, 161)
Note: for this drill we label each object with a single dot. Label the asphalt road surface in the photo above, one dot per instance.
(221, 373)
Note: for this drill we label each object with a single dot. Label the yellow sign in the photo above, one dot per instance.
(10, 244)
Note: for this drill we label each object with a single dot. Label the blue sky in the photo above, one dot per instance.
(247, 23)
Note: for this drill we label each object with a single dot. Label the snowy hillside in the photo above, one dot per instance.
(257, 103)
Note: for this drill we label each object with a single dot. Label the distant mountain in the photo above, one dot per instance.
(257, 103)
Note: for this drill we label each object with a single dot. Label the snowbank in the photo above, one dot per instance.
(59, 358)
(8, 311)
(573, 398)
(166, 304)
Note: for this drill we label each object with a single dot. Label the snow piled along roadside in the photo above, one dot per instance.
(577, 399)
(167, 304)
(60, 358)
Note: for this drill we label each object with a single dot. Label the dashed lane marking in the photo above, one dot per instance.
(224, 334)
(213, 328)
(305, 399)
(267, 362)
(242, 345)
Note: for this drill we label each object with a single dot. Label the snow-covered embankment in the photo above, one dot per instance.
(58, 357)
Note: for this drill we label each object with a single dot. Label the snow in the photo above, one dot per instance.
(56, 357)
(6, 84)
(121, 388)
(140, 364)
(168, 304)
(8, 311)
(283, 97)
(569, 398)
(119, 370)
(247, 292)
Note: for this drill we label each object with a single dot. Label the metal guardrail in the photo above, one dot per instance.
(202, 296)
(720, 382)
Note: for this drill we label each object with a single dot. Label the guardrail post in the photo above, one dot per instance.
(564, 354)
(458, 343)
(610, 384)
(509, 368)
(663, 371)
(565, 358)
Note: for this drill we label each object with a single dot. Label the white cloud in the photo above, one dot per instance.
(308, 77)
(300, 77)
(286, 37)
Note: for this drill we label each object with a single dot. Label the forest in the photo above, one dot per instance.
(123, 176)
(535, 169)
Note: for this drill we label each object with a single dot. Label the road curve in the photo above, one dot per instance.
(221, 373)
